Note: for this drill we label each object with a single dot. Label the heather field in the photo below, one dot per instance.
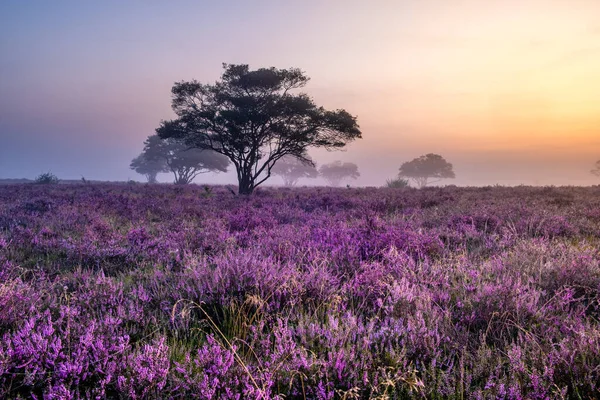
(164, 291)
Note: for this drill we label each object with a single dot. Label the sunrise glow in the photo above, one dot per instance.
(506, 81)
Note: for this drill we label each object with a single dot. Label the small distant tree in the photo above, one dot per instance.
(150, 168)
(47, 178)
(426, 169)
(336, 172)
(596, 170)
(183, 162)
(292, 169)
(397, 183)
(254, 118)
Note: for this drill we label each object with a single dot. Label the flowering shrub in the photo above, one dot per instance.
(137, 292)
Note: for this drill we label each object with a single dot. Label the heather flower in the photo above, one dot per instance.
(147, 371)
(159, 292)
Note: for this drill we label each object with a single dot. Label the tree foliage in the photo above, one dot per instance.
(425, 168)
(596, 170)
(254, 118)
(150, 168)
(292, 169)
(176, 157)
(334, 173)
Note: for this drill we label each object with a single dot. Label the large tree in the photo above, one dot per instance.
(596, 170)
(334, 173)
(292, 169)
(425, 168)
(254, 118)
(183, 162)
(147, 167)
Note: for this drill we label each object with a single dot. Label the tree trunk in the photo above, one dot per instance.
(245, 185)
(181, 180)
(151, 177)
(289, 182)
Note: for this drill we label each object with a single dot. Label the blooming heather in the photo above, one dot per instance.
(162, 291)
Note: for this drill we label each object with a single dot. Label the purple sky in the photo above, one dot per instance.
(508, 91)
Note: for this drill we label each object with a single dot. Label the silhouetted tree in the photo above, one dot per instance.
(424, 168)
(596, 170)
(292, 169)
(334, 173)
(150, 168)
(183, 162)
(253, 118)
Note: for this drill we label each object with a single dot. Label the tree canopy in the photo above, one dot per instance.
(185, 163)
(292, 169)
(150, 168)
(334, 173)
(422, 169)
(254, 118)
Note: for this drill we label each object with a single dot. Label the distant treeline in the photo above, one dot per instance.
(14, 181)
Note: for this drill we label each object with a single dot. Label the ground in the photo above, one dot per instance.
(162, 291)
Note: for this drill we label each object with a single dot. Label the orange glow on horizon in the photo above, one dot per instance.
(461, 78)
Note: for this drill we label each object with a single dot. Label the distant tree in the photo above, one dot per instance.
(150, 168)
(334, 173)
(47, 178)
(292, 169)
(253, 118)
(430, 166)
(596, 170)
(397, 183)
(183, 162)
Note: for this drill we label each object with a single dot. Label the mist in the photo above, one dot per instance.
(82, 85)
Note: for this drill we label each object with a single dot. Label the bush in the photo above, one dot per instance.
(397, 183)
(47, 178)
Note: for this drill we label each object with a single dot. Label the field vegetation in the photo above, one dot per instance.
(171, 291)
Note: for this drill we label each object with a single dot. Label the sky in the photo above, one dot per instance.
(508, 91)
